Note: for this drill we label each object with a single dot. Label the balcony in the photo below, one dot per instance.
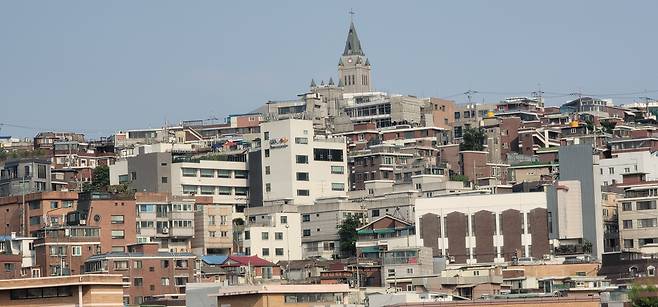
(181, 232)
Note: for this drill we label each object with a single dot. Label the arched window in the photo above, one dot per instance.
(633, 270)
(651, 270)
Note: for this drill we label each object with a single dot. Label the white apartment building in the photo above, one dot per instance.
(614, 168)
(225, 181)
(272, 233)
(300, 166)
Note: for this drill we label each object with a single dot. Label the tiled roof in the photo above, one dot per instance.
(247, 260)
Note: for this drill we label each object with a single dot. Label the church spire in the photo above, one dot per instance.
(353, 45)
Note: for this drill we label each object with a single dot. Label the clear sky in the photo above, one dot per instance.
(101, 66)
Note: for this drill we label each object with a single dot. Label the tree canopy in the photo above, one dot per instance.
(348, 236)
(100, 180)
(473, 139)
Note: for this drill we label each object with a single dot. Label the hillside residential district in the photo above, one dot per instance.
(343, 196)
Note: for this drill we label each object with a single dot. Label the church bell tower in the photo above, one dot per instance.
(354, 67)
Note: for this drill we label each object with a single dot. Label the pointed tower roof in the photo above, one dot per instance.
(312, 83)
(353, 45)
(331, 81)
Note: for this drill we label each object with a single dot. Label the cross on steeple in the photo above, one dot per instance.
(351, 12)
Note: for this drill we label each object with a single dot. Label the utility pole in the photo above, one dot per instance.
(469, 94)
(539, 95)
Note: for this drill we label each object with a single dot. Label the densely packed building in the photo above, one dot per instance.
(461, 201)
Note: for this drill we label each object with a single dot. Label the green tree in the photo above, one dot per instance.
(100, 179)
(473, 139)
(348, 236)
(639, 298)
(608, 126)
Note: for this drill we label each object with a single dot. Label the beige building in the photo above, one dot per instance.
(76, 290)
(565, 226)
(272, 232)
(213, 231)
(283, 295)
(638, 216)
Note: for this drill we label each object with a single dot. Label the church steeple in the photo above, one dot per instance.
(354, 66)
(353, 45)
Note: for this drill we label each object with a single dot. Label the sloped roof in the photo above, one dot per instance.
(214, 259)
(246, 260)
(352, 45)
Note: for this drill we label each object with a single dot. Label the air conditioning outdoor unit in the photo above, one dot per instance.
(165, 230)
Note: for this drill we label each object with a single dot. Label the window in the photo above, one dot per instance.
(626, 206)
(163, 180)
(224, 173)
(224, 234)
(35, 220)
(164, 281)
(284, 219)
(67, 204)
(241, 191)
(54, 205)
(611, 170)
(138, 282)
(118, 234)
(301, 140)
(121, 265)
(302, 176)
(76, 250)
(646, 223)
(646, 205)
(375, 212)
(266, 135)
(267, 153)
(651, 271)
(189, 189)
(278, 251)
(391, 273)
(306, 233)
(306, 218)
(207, 173)
(266, 251)
(207, 190)
(265, 235)
(247, 235)
(267, 170)
(303, 193)
(35, 293)
(211, 220)
(338, 186)
(117, 219)
(302, 159)
(9, 267)
(337, 169)
(628, 243)
(628, 224)
(321, 154)
(212, 234)
(224, 190)
(268, 187)
(278, 236)
(189, 172)
(411, 270)
(35, 205)
(137, 264)
(241, 174)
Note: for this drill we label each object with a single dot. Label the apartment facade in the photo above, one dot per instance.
(146, 271)
(62, 250)
(36, 211)
(461, 227)
(165, 219)
(638, 216)
(115, 214)
(272, 232)
(319, 224)
(23, 176)
(213, 231)
(300, 166)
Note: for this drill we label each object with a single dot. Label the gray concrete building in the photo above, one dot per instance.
(578, 162)
(22, 176)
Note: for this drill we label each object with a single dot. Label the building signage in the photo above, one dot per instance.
(278, 143)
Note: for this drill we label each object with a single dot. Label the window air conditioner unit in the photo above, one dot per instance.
(83, 222)
(165, 230)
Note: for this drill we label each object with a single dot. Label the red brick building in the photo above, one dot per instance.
(43, 208)
(62, 250)
(115, 214)
(149, 271)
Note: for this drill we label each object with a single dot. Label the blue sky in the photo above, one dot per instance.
(98, 67)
